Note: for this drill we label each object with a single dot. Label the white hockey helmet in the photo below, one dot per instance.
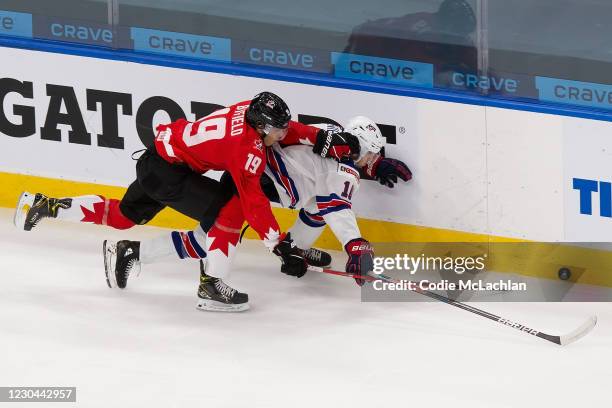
(368, 133)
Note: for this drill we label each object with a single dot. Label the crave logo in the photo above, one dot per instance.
(25, 117)
(385, 70)
(484, 83)
(181, 44)
(575, 92)
(280, 56)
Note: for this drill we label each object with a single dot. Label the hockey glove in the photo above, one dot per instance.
(387, 171)
(293, 263)
(361, 258)
(336, 145)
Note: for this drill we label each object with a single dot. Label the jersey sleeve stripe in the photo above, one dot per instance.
(279, 171)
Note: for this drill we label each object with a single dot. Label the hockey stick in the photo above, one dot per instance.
(563, 340)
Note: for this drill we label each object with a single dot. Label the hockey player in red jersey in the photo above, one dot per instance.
(169, 174)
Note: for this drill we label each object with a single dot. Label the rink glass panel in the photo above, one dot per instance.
(516, 49)
(83, 10)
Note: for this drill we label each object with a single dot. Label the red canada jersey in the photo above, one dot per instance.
(224, 141)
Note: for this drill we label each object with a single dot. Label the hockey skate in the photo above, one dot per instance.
(31, 208)
(216, 296)
(120, 259)
(316, 257)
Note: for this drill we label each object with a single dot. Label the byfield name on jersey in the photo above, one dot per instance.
(237, 126)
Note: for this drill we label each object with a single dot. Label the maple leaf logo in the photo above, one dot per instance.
(271, 238)
(222, 240)
(94, 216)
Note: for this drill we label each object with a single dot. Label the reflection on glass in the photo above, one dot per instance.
(85, 10)
(444, 37)
(550, 50)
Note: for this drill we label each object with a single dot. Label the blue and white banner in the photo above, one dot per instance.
(574, 92)
(181, 44)
(494, 83)
(17, 24)
(281, 56)
(79, 31)
(387, 70)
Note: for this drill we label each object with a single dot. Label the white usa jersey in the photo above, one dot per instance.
(322, 187)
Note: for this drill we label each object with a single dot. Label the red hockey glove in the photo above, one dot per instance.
(387, 171)
(361, 258)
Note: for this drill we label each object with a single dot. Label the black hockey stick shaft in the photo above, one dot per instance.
(415, 288)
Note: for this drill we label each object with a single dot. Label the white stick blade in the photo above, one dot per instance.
(579, 332)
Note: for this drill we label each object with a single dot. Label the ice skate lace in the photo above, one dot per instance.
(128, 268)
(225, 290)
(132, 265)
(313, 254)
(35, 220)
(37, 212)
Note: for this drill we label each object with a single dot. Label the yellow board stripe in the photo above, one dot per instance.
(588, 266)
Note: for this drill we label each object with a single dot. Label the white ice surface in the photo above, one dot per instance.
(306, 342)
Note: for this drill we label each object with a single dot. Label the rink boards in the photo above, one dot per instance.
(479, 172)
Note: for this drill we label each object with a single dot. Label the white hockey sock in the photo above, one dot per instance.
(221, 248)
(177, 244)
(82, 209)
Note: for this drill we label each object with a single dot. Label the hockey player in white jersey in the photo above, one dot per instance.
(323, 189)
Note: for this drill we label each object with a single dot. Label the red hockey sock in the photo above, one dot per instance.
(97, 210)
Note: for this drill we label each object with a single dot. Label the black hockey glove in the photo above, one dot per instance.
(336, 145)
(293, 263)
(387, 171)
(361, 258)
